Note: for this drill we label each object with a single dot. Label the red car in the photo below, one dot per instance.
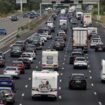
(20, 65)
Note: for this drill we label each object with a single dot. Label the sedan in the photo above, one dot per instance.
(20, 66)
(78, 81)
(3, 31)
(12, 71)
(9, 94)
(80, 62)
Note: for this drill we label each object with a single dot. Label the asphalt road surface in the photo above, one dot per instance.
(95, 93)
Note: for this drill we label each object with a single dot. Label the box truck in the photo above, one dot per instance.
(45, 84)
(50, 59)
(80, 38)
(87, 19)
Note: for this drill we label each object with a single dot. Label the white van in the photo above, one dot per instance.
(45, 84)
(50, 59)
(103, 71)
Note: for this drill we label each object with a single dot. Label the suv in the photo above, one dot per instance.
(78, 81)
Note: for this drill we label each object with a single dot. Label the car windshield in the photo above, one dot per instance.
(78, 77)
(6, 91)
(5, 78)
(76, 53)
(81, 59)
(26, 55)
(10, 68)
(16, 48)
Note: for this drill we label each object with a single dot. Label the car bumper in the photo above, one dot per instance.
(80, 66)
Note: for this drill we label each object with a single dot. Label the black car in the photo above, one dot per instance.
(26, 62)
(16, 51)
(14, 18)
(73, 55)
(7, 81)
(57, 46)
(99, 47)
(78, 81)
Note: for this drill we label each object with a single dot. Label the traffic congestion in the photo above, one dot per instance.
(62, 63)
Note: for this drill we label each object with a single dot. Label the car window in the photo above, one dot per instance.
(10, 68)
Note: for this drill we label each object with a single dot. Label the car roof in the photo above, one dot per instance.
(9, 76)
(11, 67)
(16, 61)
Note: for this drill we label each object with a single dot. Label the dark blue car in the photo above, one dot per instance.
(7, 81)
(3, 31)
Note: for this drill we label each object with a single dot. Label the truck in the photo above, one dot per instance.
(45, 84)
(50, 59)
(80, 38)
(87, 19)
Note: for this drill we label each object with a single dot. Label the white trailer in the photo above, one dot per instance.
(87, 19)
(45, 84)
(50, 59)
(103, 71)
(80, 38)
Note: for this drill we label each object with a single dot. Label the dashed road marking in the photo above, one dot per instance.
(90, 71)
(61, 74)
(92, 84)
(60, 80)
(26, 86)
(60, 97)
(36, 67)
(90, 77)
(29, 78)
(95, 93)
(100, 103)
(62, 68)
(22, 94)
(20, 104)
(59, 88)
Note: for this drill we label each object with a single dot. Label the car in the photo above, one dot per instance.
(2, 62)
(78, 81)
(3, 99)
(74, 22)
(57, 46)
(64, 27)
(9, 94)
(20, 66)
(28, 56)
(21, 43)
(61, 41)
(50, 24)
(16, 50)
(7, 81)
(27, 62)
(99, 47)
(80, 62)
(14, 18)
(12, 71)
(94, 42)
(3, 31)
(73, 55)
(62, 34)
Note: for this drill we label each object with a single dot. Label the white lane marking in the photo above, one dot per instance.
(92, 84)
(60, 80)
(90, 71)
(39, 62)
(20, 104)
(60, 97)
(63, 63)
(7, 51)
(59, 88)
(29, 78)
(90, 77)
(100, 103)
(36, 67)
(95, 93)
(26, 86)
(22, 94)
(61, 74)
(62, 68)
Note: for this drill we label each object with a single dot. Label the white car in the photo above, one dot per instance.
(12, 71)
(28, 55)
(95, 41)
(44, 36)
(80, 62)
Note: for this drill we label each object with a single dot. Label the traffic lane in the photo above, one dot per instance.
(11, 26)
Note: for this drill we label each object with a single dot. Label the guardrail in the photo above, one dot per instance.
(8, 39)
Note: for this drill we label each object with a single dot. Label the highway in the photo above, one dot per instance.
(95, 93)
